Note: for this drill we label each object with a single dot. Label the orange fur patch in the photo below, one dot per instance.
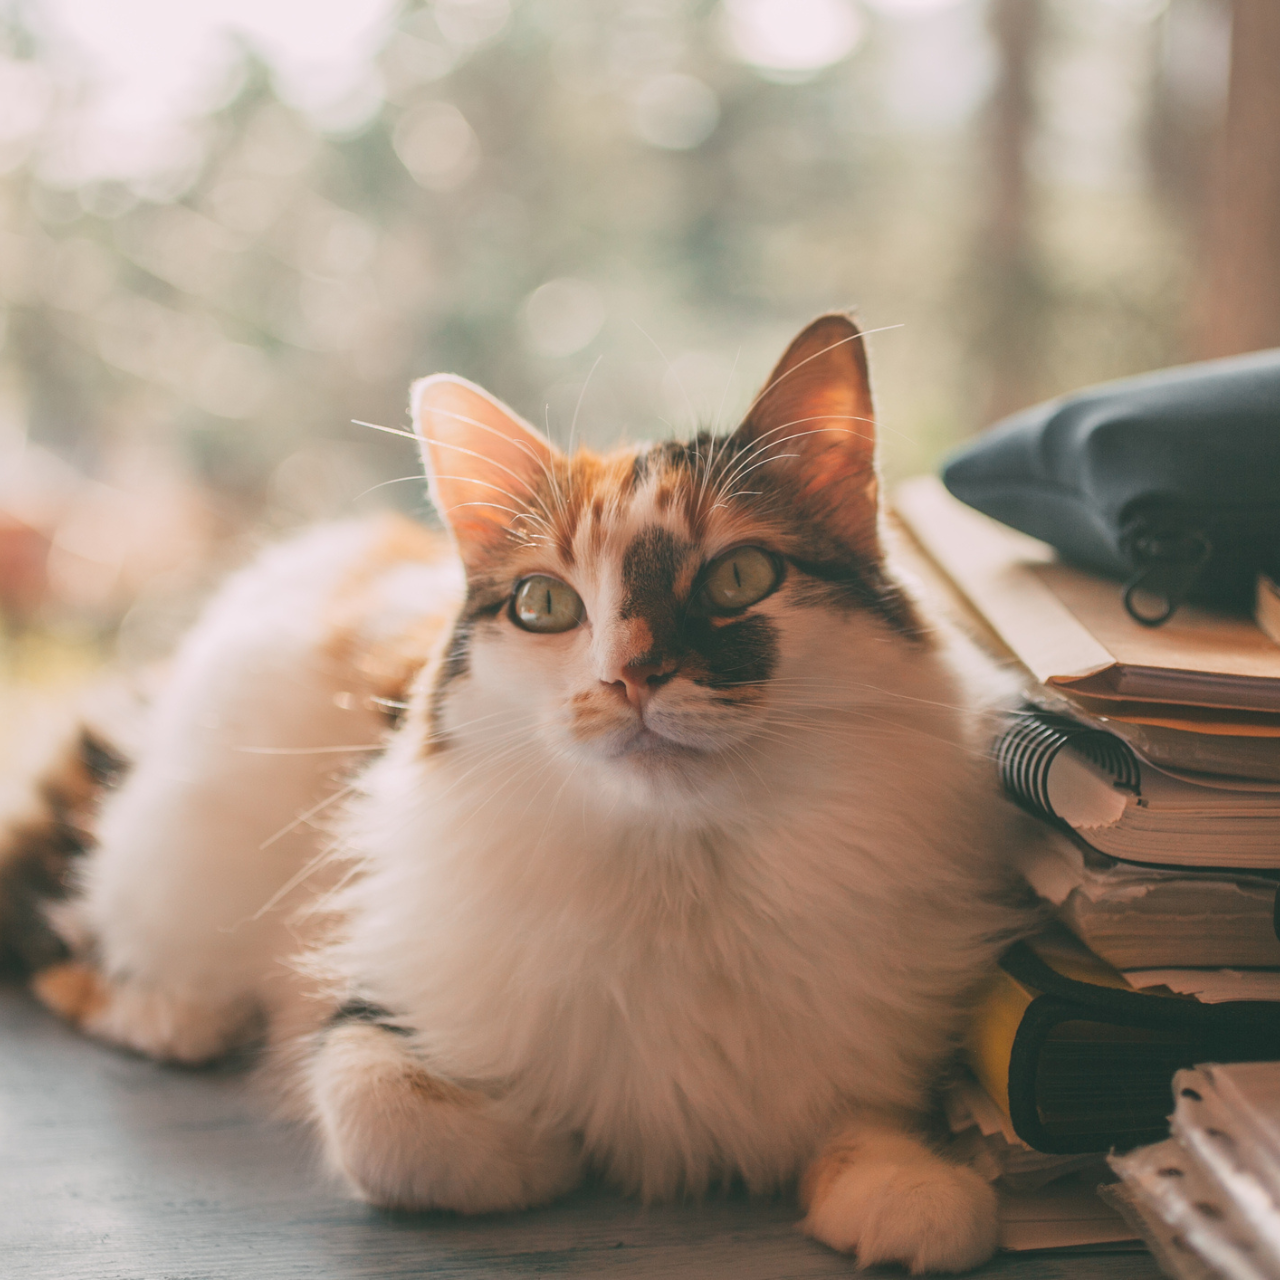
(385, 667)
(72, 990)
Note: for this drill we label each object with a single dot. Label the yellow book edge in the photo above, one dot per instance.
(1000, 1009)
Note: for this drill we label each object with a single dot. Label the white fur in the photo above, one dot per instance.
(697, 964)
(689, 962)
(178, 898)
(897, 1202)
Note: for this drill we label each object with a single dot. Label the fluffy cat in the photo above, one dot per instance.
(682, 862)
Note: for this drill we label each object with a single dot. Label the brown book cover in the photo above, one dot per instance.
(1069, 628)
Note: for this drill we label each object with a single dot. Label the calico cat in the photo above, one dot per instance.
(681, 863)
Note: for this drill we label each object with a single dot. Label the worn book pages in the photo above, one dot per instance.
(1138, 917)
(1070, 629)
(1245, 744)
(1064, 1215)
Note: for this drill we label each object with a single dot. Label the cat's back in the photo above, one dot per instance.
(361, 602)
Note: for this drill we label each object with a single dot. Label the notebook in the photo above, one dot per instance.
(1070, 629)
(1208, 1198)
(1122, 805)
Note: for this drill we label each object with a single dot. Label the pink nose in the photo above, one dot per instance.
(640, 680)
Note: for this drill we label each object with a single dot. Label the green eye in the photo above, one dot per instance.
(545, 604)
(739, 579)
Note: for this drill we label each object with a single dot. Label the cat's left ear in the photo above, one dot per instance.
(484, 463)
(813, 428)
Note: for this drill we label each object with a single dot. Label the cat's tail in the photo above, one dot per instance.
(43, 838)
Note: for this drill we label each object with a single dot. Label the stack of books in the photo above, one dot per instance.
(1153, 758)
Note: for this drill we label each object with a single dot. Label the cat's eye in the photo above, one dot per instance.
(545, 604)
(739, 579)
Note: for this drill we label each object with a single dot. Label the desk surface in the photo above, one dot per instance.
(118, 1169)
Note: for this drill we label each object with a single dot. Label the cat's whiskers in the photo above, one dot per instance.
(751, 458)
(541, 764)
(552, 807)
(577, 408)
(671, 369)
(391, 431)
(307, 815)
(382, 484)
(799, 364)
(519, 445)
(520, 511)
(304, 873)
(826, 684)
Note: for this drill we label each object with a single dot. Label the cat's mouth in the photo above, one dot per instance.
(648, 744)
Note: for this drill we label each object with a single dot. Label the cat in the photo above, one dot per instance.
(681, 861)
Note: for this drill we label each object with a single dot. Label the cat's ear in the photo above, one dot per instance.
(813, 427)
(484, 463)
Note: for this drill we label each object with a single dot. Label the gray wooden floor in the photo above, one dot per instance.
(114, 1168)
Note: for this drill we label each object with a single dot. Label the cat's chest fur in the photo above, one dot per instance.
(688, 997)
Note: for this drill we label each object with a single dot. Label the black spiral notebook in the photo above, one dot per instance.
(1094, 784)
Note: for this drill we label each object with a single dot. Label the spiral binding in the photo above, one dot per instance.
(1025, 753)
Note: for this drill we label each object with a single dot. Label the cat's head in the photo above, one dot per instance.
(650, 613)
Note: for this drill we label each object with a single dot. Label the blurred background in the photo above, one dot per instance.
(229, 228)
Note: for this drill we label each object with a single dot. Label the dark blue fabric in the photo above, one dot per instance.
(1189, 450)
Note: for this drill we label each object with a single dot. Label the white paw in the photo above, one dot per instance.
(145, 1019)
(406, 1140)
(908, 1207)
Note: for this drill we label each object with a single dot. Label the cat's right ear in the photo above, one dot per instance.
(484, 464)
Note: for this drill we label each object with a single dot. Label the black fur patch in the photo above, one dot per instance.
(848, 584)
(715, 654)
(741, 652)
(364, 1011)
(649, 570)
(37, 854)
(480, 605)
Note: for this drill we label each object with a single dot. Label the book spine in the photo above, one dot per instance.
(1025, 753)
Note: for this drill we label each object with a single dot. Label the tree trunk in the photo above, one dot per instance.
(1010, 297)
(1239, 303)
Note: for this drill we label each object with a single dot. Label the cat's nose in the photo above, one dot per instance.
(638, 681)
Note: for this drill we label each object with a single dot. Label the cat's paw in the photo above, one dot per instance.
(889, 1199)
(147, 1020)
(407, 1140)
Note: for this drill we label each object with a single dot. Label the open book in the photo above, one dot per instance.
(1070, 629)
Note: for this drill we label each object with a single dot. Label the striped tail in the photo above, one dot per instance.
(41, 845)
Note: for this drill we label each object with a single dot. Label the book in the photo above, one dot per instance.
(1070, 629)
(1192, 739)
(983, 1137)
(1046, 1201)
(1093, 783)
(1080, 1061)
(1139, 917)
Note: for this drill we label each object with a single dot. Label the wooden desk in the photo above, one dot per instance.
(114, 1168)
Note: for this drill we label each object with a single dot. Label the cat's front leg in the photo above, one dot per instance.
(406, 1139)
(878, 1191)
